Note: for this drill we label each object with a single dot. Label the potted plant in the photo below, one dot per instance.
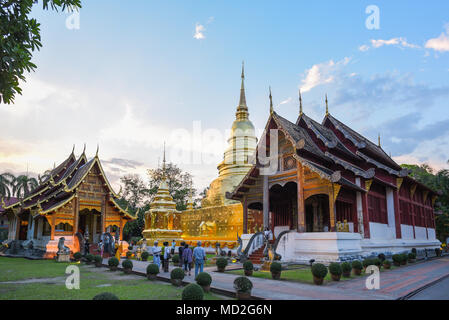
(129, 254)
(113, 263)
(319, 272)
(411, 257)
(248, 267)
(335, 271)
(98, 261)
(404, 258)
(397, 259)
(346, 269)
(221, 264)
(377, 262)
(243, 287)
(387, 264)
(175, 259)
(152, 271)
(127, 266)
(192, 292)
(77, 256)
(356, 267)
(176, 276)
(367, 262)
(204, 280)
(89, 258)
(144, 256)
(276, 269)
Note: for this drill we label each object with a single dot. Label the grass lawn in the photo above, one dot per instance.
(45, 280)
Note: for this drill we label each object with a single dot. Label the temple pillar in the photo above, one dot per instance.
(332, 214)
(300, 195)
(103, 216)
(366, 230)
(397, 214)
(391, 212)
(53, 226)
(266, 202)
(245, 215)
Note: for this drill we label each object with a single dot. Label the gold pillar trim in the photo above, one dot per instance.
(368, 184)
(413, 190)
(399, 183)
(336, 191)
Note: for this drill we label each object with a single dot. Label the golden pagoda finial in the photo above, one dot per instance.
(271, 102)
(242, 108)
(164, 165)
(243, 69)
(378, 140)
(300, 103)
(327, 106)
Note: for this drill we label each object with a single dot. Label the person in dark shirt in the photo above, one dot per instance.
(180, 250)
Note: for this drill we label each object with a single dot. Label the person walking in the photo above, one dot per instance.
(199, 256)
(166, 261)
(156, 254)
(180, 250)
(187, 259)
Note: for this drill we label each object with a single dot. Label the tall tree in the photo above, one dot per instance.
(23, 185)
(135, 191)
(6, 180)
(19, 37)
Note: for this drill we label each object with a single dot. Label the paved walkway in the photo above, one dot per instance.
(393, 284)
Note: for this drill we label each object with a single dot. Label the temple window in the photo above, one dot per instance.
(63, 227)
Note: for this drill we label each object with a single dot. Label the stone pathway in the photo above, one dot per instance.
(393, 284)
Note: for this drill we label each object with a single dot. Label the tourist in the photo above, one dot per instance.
(187, 259)
(180, 250)
(166, 254)
(101, 247)
(156, 254)
(173, 247)
(199, 256)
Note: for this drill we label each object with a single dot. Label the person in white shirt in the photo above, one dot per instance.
(156, 254)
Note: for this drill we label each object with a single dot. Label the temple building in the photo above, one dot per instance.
(75, 201)
(328, 193)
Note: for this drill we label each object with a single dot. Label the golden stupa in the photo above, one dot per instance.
(220, 219)
(162, 220)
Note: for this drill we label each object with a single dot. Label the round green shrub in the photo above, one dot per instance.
(411, 256)
(113, 262)
(127, 264)
(177, 274)
(175, 259)
(128, 254)
(89, 257)
(376, 262)
(404, 257)
(77, 256)
(346, 267)
(152, 269)
(275, 267)
(192, 292)
(98, 259)
(319, 270)
(335, 269)
(397, 258)
(144, 256)
(248, 265)
(203, 279)
(243, 284)
(387, 262)
(221, 262)
(356, 264)
(367, 262)
(105, 296)
(381, 257)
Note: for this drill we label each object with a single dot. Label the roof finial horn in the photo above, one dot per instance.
(271, 102)
(327, 106)
(300, 103)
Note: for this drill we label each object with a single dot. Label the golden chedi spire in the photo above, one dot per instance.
(242, 108)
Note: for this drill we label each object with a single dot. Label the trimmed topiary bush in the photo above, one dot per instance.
(89, 258)
(105, 296)
(276, 269)
(319, 272)
(175, 259)
(98, 261)
(404, 258)
(77, 256)
(221, 264)
(387, 264)
(113, 263)
(127, 266)
(204, 280)
(346, 269)
(248, 268)
(356, 267)
(192, 292)
(129, 254)
(411, 257)
(144, 256)
(335, 271)
(367, 262)
(176, 276)
(152, 271)
(243, 287)
(397, 259)
(377, 262)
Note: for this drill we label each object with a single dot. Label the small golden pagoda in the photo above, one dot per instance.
(162, 221)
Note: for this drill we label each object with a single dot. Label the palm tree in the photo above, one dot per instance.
(6, 180)
(23, 185)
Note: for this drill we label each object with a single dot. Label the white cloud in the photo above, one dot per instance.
(441, 43)
(284, 101)
(199, 32)
(322, 73)
(397, 42)
(364, 48)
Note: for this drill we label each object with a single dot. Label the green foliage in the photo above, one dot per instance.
(98, 258)
(177, 273)
(6, 183)
(275, 267)
(387, 262)
(381, 257)
(377, 262)
(77, 256)
(221, 262)
(404, 257)
(368, 262)
(152, 269)
(105, 296)
(113, 262)
(175, 259)
(335, 269)
(397, 258)
(192, 292)
(19, 37)
(128, 254)
(248, 265)
(411, 256)
(127, 264)
(203, 279)
(356, 264)
(243, 284)
(319, 270)
(144, 256)
(89, 257)
(346, 267)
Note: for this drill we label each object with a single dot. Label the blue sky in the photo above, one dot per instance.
(134, 73)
